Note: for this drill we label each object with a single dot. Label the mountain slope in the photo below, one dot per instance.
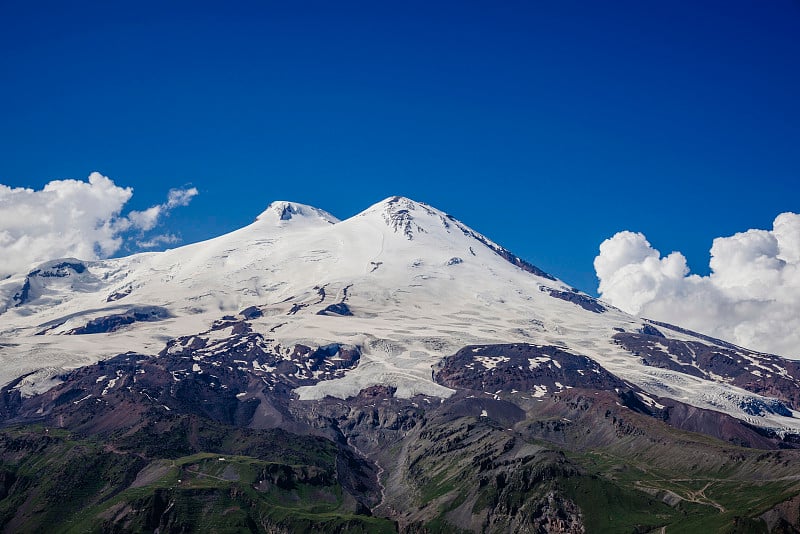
(416, 374)
(145, 452)
(402, 281)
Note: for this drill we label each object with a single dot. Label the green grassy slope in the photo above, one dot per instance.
(53, 481)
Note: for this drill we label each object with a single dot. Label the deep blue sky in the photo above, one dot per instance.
(546, 125)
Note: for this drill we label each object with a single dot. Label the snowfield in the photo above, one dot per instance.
(403, 281)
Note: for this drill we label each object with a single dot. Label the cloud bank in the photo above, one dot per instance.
(73, 218)
(751, 297)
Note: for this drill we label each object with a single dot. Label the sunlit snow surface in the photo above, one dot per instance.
(419, 284)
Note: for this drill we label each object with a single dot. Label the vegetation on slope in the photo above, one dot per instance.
(54, 481)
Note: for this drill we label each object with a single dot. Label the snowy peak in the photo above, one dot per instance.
(411, 219)
(404, 282)
(281, 213)
(70, 273)
(407, 217)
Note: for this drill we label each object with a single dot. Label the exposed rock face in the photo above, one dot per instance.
(785, 517)
(584, 301)
(553, 514)
(119, 294)
(253, 312)
(22, 296)
(650, 330)
(720, 426)
(255, 355)
(110, 323)
(339, 308)
(532, 369)
(760, 373)
(399, 218)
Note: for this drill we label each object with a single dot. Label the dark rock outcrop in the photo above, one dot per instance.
(575, 297)
(340, 309)
(110, 323)
(529, 369)
(764, 374)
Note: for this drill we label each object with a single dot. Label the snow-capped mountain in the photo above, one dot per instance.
(403, 286)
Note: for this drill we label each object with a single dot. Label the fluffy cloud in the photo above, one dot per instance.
(180, 197)
(751, 297)
(147, 219)
(72, 218)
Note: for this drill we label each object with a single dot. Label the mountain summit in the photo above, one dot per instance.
(282, 211)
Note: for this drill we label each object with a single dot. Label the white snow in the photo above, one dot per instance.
(533, 363)
(111, 383)
(649, 401)
(490, 362)
(409, 312)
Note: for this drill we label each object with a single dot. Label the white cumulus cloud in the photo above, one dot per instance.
(73, 218)
(751, 297)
